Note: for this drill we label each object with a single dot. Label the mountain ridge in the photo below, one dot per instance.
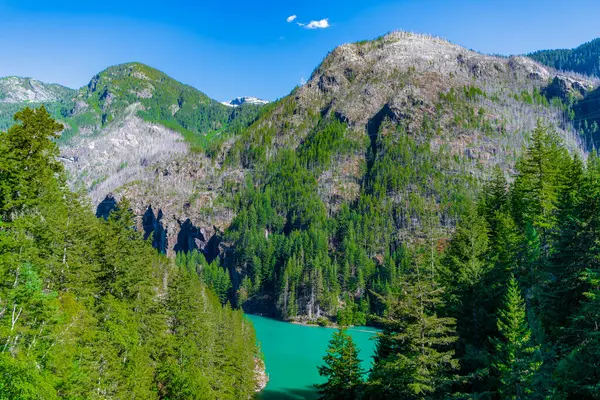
(582, 59)
(398, 81)
(396, 131)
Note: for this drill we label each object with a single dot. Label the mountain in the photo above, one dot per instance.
(387, 142)
(28, 90)
(411, 184)
(163, 100)
(584, 59)
(584, 105)
(16, 93)
(126, 121)
(238, 101)
(381, 150)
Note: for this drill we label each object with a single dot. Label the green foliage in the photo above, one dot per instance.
(582, 59)
(323, 144)
(28, 162)
(515, 360)
(536, 187)
(342, 369)
(213, 275)
(88, 309)
(414, 355)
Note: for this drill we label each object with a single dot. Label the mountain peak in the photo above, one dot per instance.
(238, 101)
(136, 70)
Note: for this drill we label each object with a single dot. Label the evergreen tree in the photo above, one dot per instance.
(88, 309)
(515, 358)
(414, 355)
(342, 369)
(537, 186)
(578, 373)
(29, 168)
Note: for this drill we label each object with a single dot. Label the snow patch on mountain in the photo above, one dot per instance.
(238, 101)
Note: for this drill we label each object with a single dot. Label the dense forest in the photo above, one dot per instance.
(583, 59)
(505, 309)
(88, 309)
(293, 256)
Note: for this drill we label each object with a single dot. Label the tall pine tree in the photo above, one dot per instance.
(515, 359)
(342, 369)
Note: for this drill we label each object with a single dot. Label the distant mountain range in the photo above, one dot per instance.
(109, 93)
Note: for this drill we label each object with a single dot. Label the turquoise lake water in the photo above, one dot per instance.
(292, 353)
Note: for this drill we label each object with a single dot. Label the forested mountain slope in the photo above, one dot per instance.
(584, 59)
(90, 310)
(132, 124)
(584, 105)
(381, 150)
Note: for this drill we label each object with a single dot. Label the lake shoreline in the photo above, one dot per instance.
(331, 325)
(292, 353)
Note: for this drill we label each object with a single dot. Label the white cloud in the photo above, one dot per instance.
(291, 18)
(322, 24)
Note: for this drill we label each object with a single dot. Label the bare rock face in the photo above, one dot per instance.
(565, 87)
(152, 225)
(106, 206)
(119, 154)
(28, 90)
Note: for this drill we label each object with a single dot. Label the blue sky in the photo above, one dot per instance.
(233, 48)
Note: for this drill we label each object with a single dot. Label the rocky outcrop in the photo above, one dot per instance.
(106, 206)
(260, 374)
(15, 89)
(566, 88)
(189, 238)
(152, 225)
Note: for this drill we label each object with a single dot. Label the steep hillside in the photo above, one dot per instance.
(583, 104)
(130, 116)
(381, 150)
(584, 59)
